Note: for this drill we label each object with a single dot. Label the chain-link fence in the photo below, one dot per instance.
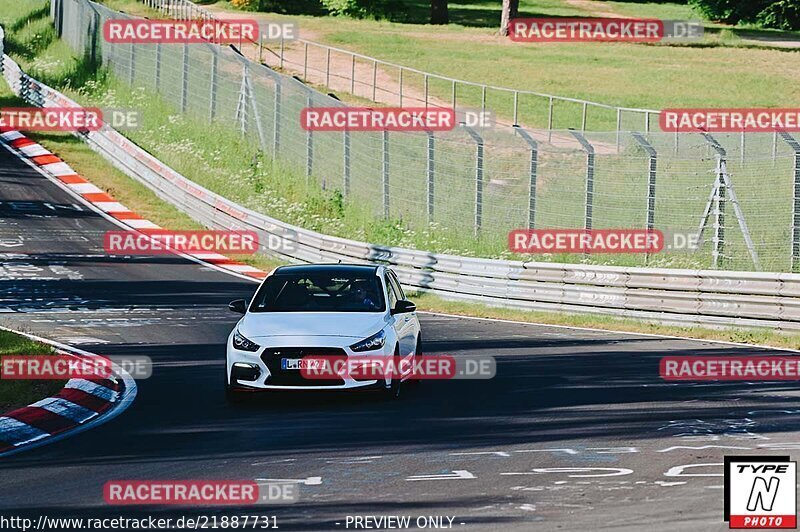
(741, 191)
(392, 84)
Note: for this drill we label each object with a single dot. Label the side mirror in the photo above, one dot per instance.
(239, 306)
(404, 306)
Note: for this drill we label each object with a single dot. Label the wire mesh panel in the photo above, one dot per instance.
(468, 185)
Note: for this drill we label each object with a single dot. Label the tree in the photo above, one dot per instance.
(510, 11)
(731, 11)
(439, 13)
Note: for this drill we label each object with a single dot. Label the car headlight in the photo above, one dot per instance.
(375, 341)
(243, 344)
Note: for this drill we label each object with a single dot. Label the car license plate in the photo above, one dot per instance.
(299, 363)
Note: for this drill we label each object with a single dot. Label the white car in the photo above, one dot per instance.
(341, 310)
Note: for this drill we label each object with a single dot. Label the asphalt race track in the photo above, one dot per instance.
(576, 432)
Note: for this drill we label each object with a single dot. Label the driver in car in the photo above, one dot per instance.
(361, 296)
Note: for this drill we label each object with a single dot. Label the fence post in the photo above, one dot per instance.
(346, 163)
(723, 186)
(652, 169)
(426, 90)
(534, 146)
(431, 173)
(516, 108)
(251, 98)
(719, 212)
(185, 79)
(353, 75)
(328, 68)
(276, 117)
(478, 177)
(157, 77)
(795, 262)
(385, 173)
(212, 96)
(132, 65)
(742, 147)
(94, 26)
(550, 120)
(282, 51)
(589, 202)
(309, 142)
(583, 118)
(401, 87)
(374, 79)
(305, 62)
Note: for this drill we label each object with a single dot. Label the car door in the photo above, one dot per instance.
(405, 324)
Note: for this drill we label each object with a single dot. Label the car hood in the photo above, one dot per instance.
(343, 324)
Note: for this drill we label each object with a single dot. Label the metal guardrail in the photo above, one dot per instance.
(717, 298)
(377, 89)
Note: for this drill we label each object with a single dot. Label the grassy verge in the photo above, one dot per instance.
(17, 393)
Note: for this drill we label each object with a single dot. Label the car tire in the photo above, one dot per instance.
(234, 396)
(392, 392)
(417, 354)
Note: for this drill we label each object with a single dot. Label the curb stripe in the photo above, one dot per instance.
(111, 206)
(15, 432)
(140, 224)
(91, 388)
(21, 141)
(75, 412)
(11, 135)
(58, 169)
(98, 197)
(71, 179)
(107, 383)
(84, 399)
(42, 419)
(84, 188)
(37, 151)
(127, 215)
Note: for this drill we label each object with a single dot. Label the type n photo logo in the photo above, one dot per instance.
(760, 492)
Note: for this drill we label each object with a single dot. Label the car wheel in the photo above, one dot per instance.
(392, 392)
(234, 396)
(417, 354)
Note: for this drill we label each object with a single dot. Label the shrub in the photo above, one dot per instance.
(363, 8)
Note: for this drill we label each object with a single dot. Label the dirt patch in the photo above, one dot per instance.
(594, 9)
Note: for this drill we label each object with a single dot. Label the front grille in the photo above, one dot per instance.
(280, 377)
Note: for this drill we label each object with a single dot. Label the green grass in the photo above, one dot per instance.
(17, 393)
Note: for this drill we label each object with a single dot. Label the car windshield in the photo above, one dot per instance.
(309, 292)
